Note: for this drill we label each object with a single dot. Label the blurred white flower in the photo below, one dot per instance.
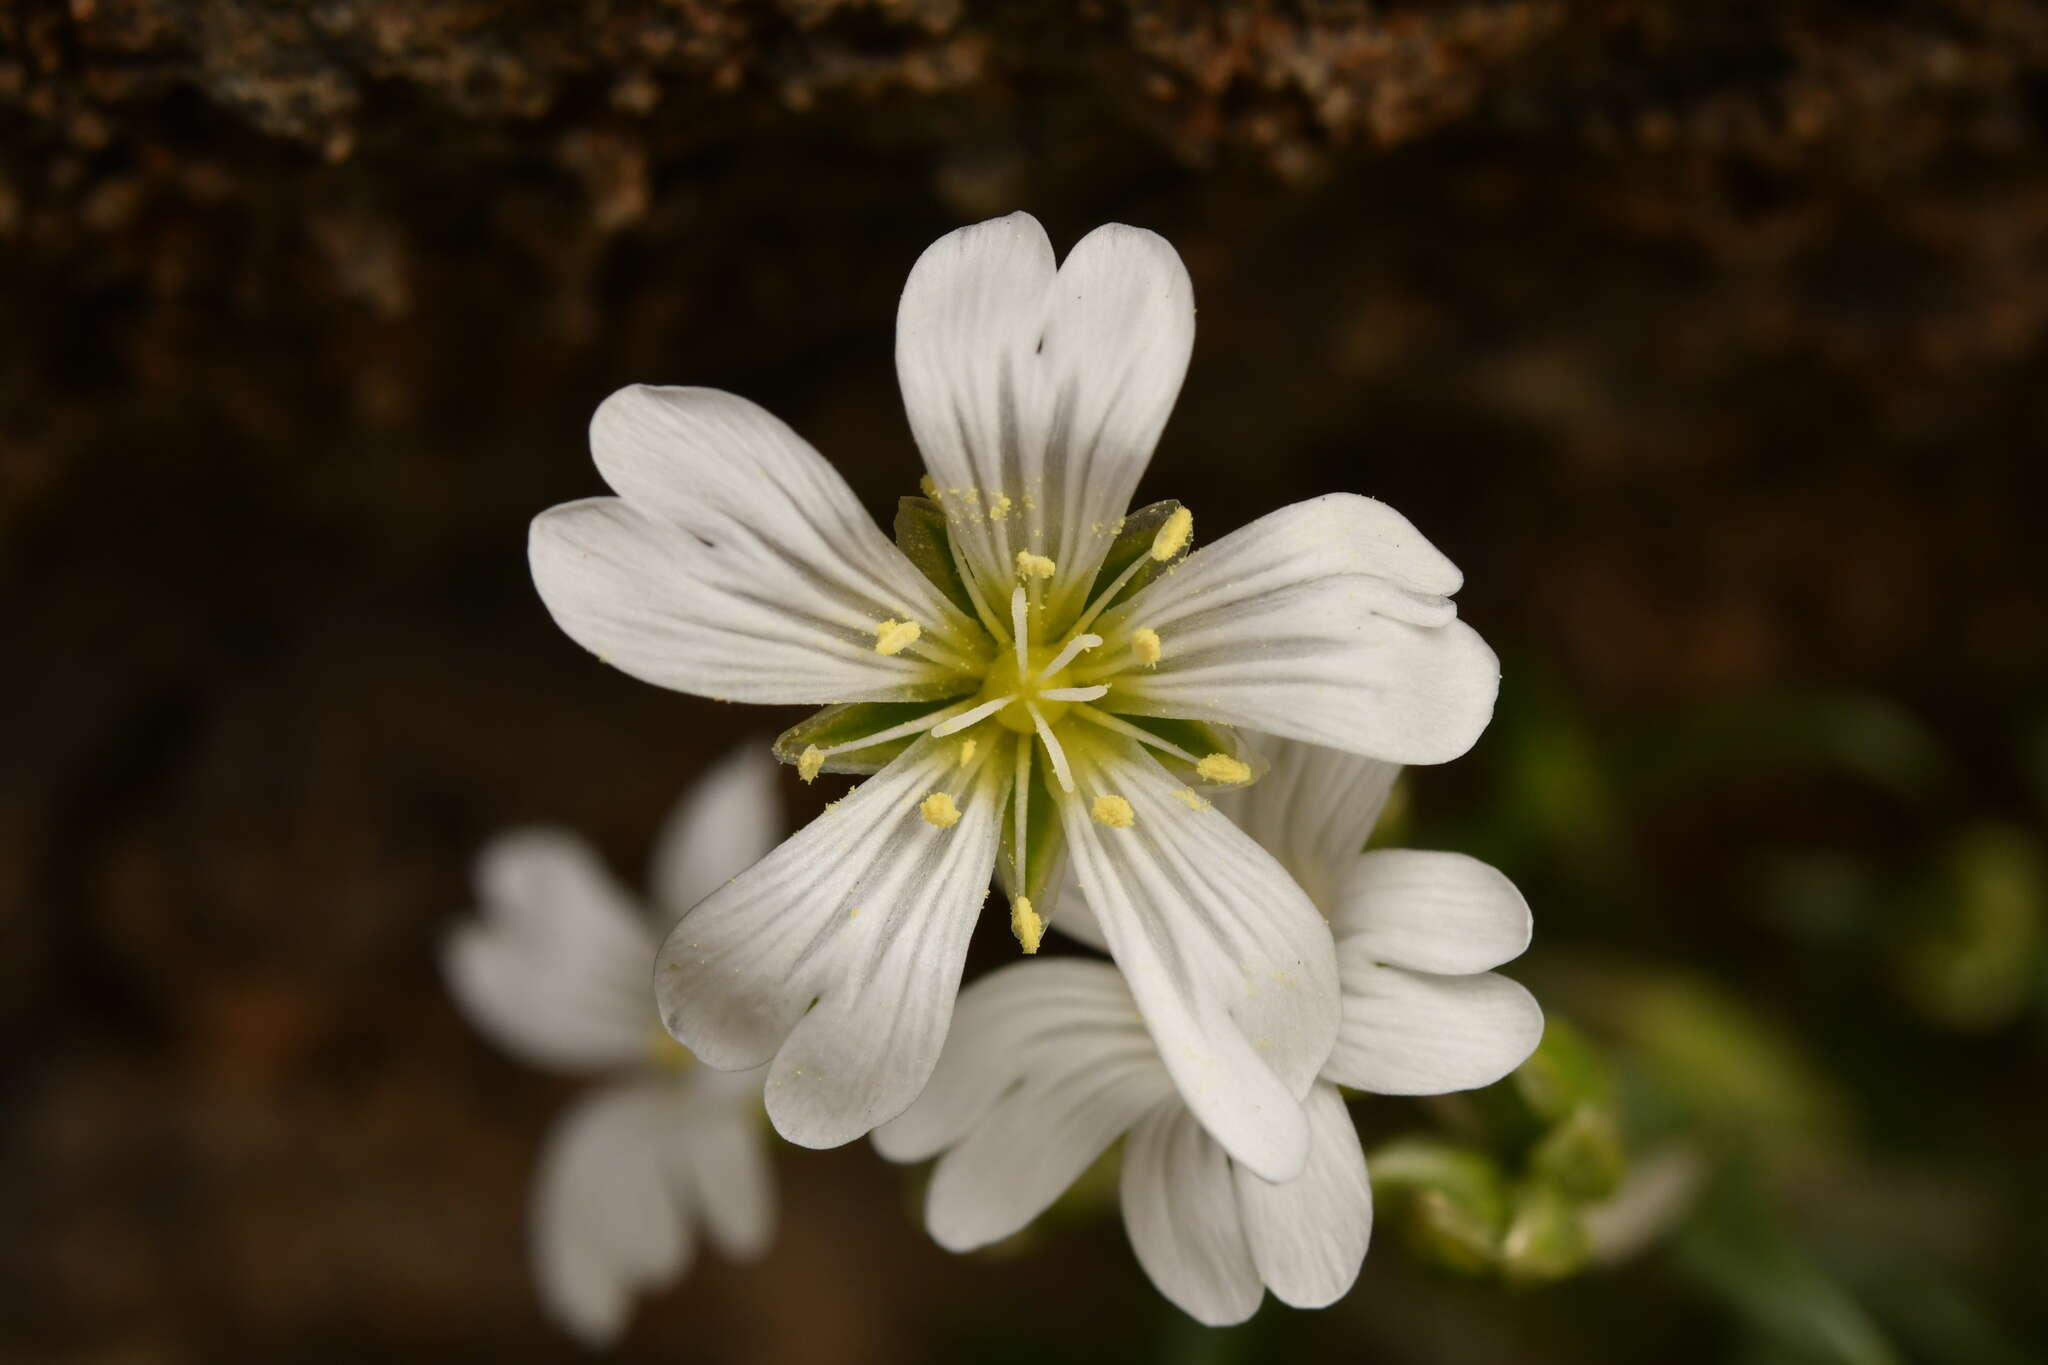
(1047, 1066)
(557, 969)
(1031, 671)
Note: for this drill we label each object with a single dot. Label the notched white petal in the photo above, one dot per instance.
(1232, 966)
(1412, 1033)
(1432, 912)
(608, 1221)
(553, 968)
(1181, 1212)
(1308, 1236)
(735, 621)
(839, 954)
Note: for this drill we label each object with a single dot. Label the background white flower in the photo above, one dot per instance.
(1030, 673)
(1048, 1066)
(556, 968)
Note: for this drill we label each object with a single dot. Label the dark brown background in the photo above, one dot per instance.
(1707, 339)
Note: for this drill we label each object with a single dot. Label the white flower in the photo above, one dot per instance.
(1030, 672)
(556, 969)
(1047, 1067)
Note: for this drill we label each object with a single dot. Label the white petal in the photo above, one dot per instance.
(1231, 965)
(862, 919)
(607, 1220)
(721, 1149)
(722, 825)
(1322, 622)
(1181, 1211)
(555, 967)
(1313, 810)
(1050, 388)
(1046, 1065)
(736, 564)
(1410, 1033)
(1308, 1236)
(1432, 912)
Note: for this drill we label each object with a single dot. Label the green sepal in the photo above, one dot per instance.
(922, 536)
(1546, 1237)
(1583, 1156)
(1134, 538)
(1451, 1202)
(849, 721)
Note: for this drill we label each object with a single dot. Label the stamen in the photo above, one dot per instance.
(1053, 752)
(810, 763)
(938, 809)
(1145, 644)
(923, 723)
(1113, 811)
(1019, 637)
(1130, 731)
(894, 636)
(967, 718)
(1030, 565)
(1067, 652)
(1174, 535)
(1026, 925)
(1073, 693)
(1020, 804)
(1223, 768)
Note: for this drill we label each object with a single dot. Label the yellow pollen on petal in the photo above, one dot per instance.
(1030, 565)
(893, 636)
(926, 486)
(1026, 925)
(810, 763)
(1223, 768)
(1000, 508)
(1189, 799)
(967, 748)
(1173, 537)
(938, 809)
(1113, 811)
(1145, 644)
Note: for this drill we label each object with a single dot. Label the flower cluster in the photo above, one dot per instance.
(1173, 752)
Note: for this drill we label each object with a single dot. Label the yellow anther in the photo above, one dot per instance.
(810, 762)
(1189, 799)
(1030, 565)
(893, 636)
(1173, 537)
(967, 748)
(927, 487)
(1026, 925)
(938, 809)
(1145, 644)
(1000, 508)
(1223, 768)
(1113, 811)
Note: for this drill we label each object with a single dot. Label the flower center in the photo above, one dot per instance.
(1024, 686)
